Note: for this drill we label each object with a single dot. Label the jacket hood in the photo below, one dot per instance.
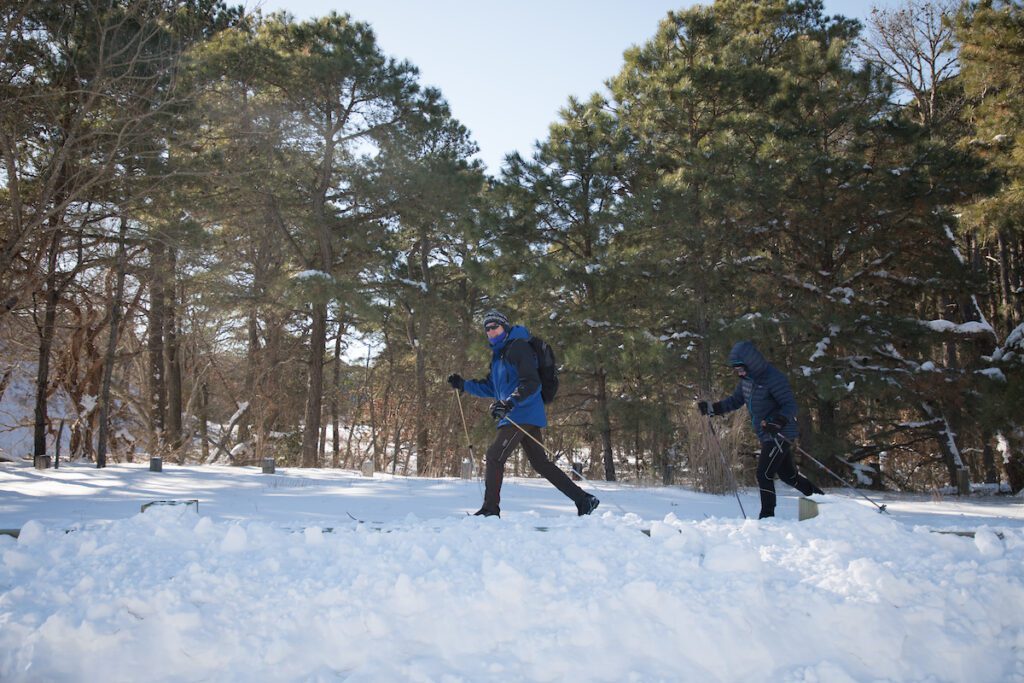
(517, 332)
(745, 353)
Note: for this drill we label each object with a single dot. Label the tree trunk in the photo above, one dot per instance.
(945, 436)
(424, 458)
(705, 375)
(157, 387)
(335, 394)
(46, 334)
(56, 445)
(108, 359)
(172, 356)
(5, 381)
(268, 383)
(315, 385)
(204, 420)
(1018, 281)
(604, 425)
(1005, 290)
(374, 426)
(988, 458)
(396, 447)
(380, 416)
(251, 368)
(41, 421)
(322, 448)
(637, 450)
(827, 436)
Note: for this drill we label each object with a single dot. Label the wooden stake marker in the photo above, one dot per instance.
(807, 509)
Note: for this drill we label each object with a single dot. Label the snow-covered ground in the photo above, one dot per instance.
(272, 580)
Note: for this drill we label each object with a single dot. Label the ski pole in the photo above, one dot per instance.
(881, 508)
(721, 456)
(554, 459)
(554, 456)
(465, 429)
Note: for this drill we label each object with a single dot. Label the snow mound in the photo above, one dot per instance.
(848, 596)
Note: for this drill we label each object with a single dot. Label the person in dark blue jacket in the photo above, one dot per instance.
(769, 399)
(514, 385)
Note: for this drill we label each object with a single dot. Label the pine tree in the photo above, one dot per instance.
(430, 189)
(991, 34)
(803, 209)
(351, 95)
(566, 199)
(89, 91)
(857, 246)
(690, 97)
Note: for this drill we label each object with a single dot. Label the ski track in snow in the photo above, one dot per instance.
(235, 594)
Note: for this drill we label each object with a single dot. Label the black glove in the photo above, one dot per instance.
(706, 408)
(500, 409)
(774, 424)
(456, 381)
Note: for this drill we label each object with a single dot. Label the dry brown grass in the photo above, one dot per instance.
(707, 457)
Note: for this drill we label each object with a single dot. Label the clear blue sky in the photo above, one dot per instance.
(507, 67)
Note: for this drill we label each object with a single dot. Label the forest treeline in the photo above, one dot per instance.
(205, 212)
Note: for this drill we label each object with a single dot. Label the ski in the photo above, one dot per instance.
(384, 528)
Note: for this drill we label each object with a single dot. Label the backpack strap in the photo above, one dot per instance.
(529, 375)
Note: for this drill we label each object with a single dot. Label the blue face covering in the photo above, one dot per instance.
(499, 340)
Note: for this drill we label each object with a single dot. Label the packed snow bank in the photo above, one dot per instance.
(172, 595)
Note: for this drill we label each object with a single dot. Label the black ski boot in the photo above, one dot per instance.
(816, 490)
(484, 512)
(587, 505)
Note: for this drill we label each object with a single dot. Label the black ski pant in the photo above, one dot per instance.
(777, 461)
(508, 437)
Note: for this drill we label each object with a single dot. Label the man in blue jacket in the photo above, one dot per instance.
(514, 384)
(769, 399)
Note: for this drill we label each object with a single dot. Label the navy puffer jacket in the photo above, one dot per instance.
(765, 391)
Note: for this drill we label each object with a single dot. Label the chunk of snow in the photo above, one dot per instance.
(1015, 340)
(414, 283)
(993, 373)
(312, 275)
(969, 328)
(822, 346)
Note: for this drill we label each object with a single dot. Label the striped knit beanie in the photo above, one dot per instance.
(493, 316)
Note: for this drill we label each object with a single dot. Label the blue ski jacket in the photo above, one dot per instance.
(513, 377)
(765, 391)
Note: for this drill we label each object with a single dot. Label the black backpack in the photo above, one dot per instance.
(547, 368)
